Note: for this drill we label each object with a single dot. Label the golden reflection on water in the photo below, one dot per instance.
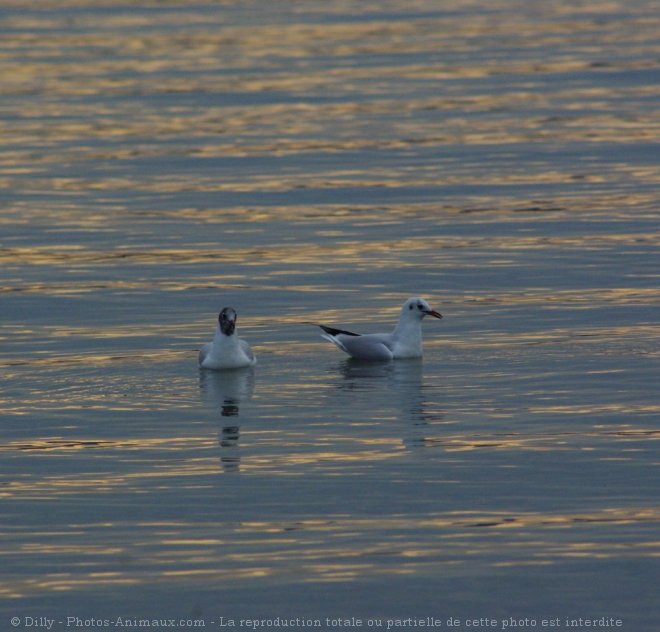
(341, 251)
(200, 53)
(557, 442)
(196, 457)
(324, 550)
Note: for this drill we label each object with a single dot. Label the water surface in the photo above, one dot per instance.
(305, 163)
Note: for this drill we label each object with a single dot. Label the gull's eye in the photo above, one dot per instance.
(420, 306)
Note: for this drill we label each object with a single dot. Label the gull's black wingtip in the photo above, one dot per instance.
(334, 332)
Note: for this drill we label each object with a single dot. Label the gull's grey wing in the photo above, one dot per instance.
(372, 347)
(247, 350)
(203, 352)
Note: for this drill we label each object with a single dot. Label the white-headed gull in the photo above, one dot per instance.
(404, 342)
(226, 350)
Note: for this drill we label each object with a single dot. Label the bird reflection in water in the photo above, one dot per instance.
(224, 391)
(398, 386)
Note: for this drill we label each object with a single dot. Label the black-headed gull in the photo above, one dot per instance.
(404, 342)
(226, 350)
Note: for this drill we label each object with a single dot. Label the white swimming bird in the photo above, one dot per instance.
(404, 342)
(226, 350)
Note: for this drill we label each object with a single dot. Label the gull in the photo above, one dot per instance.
(404, 342)
(226, 350)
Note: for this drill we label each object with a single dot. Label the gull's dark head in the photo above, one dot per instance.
(227, 321)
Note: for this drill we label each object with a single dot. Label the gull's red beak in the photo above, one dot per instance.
(432, 312)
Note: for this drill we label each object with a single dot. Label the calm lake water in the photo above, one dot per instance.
(312, 162)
